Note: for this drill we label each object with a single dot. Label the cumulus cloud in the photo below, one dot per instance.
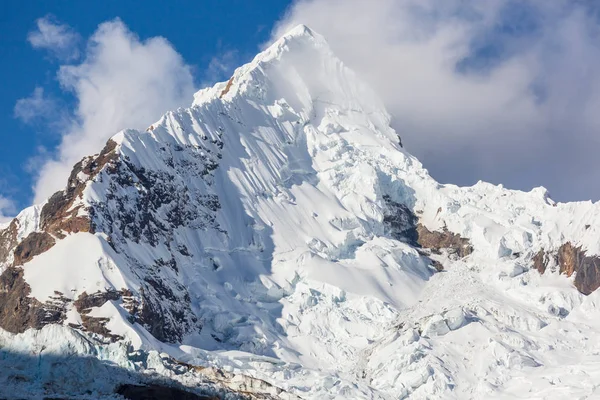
(221, 67)
(7, 207)
(36, 106)
(120, 82)
(59, 39)
(500, 90)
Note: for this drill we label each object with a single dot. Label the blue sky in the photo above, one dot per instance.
(503, 91)
(198, 30)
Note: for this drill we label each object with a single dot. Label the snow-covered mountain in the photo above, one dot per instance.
(275, 240)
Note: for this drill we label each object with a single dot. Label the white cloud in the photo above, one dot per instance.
(121, 82)
(34, 107)
(7, 207)
(220, 67)
(500, 90)
(59, 39)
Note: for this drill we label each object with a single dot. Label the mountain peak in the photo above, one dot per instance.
(278, 229)
(299, 30)
(298, 43)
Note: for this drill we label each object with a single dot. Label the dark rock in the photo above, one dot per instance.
(34, 244)
(18, 311)
(87, 301)
(540, 261)
(58, 215)
(403, 225)
(436, 241)
(8, 240)
(157, 392)
(97, 325)
(570, 260)
(401, 221)
(164, 312)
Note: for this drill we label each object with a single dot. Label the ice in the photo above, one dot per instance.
(293, 277)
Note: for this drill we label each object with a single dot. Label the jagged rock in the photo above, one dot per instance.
(138, 392)
(86, 301)
(8, 240)
(571, 259)
(166, 313)
(401, 221)
(20, 312)
(436, 241)
(59, 215)
(404, 225)
(540, 261)
(34, 244)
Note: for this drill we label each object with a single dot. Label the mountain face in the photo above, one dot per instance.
(275, 240)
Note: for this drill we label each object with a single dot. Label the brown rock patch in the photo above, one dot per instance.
(572, 260)
(84, 304)
(34, 244)
(436, 241)
(18, 312)
(540, 261)
(8, 240)
(227, 88)
(59, 214)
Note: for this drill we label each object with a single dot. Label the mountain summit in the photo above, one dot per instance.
(275, 240)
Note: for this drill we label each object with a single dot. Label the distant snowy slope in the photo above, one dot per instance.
(278, 231)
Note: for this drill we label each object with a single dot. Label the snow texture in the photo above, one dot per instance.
(261, 212)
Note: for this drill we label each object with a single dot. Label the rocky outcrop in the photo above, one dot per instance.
(84, 304)
(440, 240)
(20, 312)
(8, 240)
(570, 260)
(540, 261)
(139, 392)
(402, 224)
(165, 312)
(61, 214)
(227, 87)
(34, 244)
(401, 221)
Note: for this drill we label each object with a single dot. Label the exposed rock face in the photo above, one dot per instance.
(20, 312)
(138, 392)
(401, 221)
(165, 312)
(60, 215)
(141, 205)
(8, 240)
(571, 259)
(34, 244)
(87, 301)
(404, 226)
(540, 261)
(84, 304)
(436, 241)
(227, 87)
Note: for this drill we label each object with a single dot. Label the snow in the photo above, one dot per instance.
(79, 263)
(296, 280)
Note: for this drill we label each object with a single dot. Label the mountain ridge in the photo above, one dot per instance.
(278, 229)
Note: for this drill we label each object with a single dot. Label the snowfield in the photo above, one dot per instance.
(257, 223)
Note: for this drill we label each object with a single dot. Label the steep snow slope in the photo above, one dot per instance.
(277, 230)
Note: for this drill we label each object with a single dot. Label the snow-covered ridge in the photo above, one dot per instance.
(278, 229)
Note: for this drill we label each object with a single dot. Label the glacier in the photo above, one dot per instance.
(275, 240)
